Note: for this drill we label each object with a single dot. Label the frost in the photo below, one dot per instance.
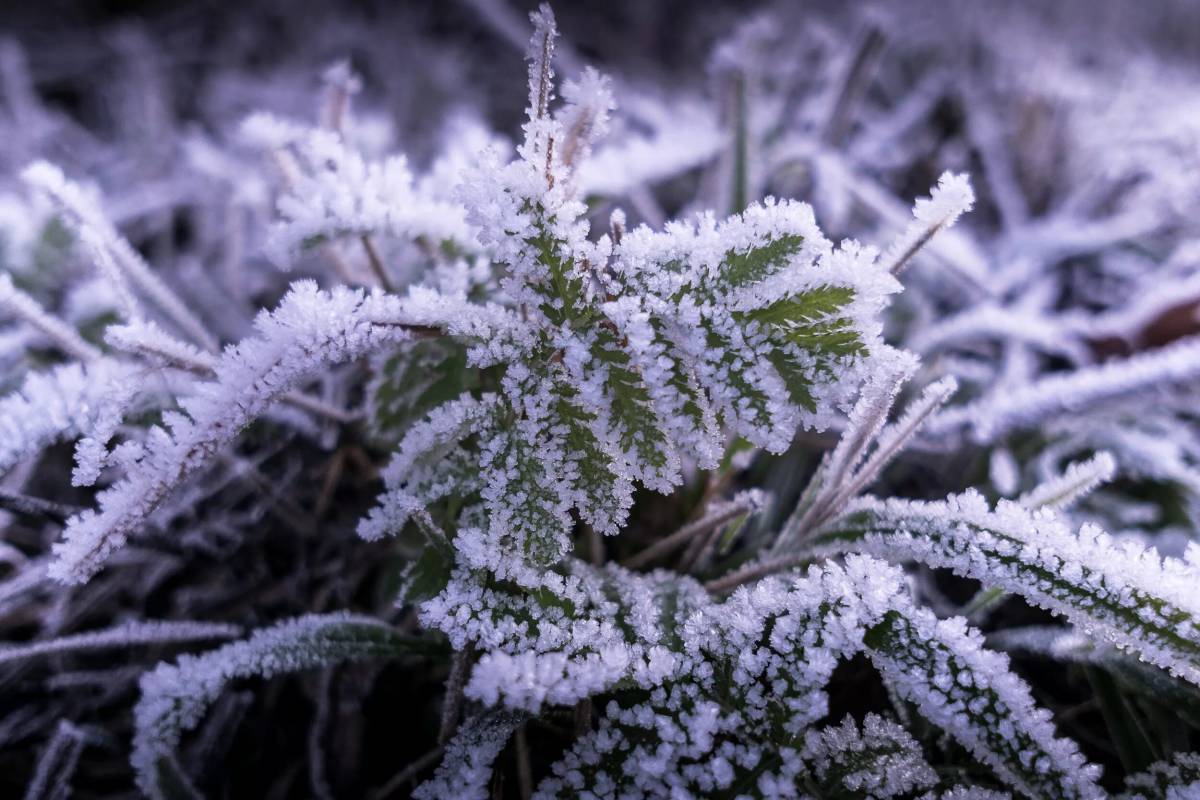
(949, 200)
(994, 416)
(310, 329)
(27, 309)
(630, 355)
(1175, 779)
(882, 760)
(510, 346)
(57, 404)
(128, 635)
(175, 696)
(1079, 479)
(334, 192)
(117, 259)
(1120, 593)
(466, 769)
(751, 671)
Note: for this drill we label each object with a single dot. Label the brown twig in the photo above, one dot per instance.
(684, 534)
(376, 263)
(727, 583)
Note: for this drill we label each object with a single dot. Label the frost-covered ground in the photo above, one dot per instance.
(634, 399)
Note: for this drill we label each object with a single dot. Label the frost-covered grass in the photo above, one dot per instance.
(819, 421)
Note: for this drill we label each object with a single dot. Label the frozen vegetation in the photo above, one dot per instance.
(818, 421)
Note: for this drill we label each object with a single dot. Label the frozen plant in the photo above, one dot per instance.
(611, 479)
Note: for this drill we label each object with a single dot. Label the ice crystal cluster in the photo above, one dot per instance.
(609, 479)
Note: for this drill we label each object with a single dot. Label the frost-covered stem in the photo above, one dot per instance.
(35, 506)
(376, 263)
(52, 776)
(744, 503)
(893, 439)
(147, 341)
(341, 84)
(29, 310)
(996, 415)
(835, 473)
(1079, 478)
(541, 54)
(452, 702)
(869, 415)
(700, 550)
(122, 636)
(948, 201)
(176, 696)
(289, 175)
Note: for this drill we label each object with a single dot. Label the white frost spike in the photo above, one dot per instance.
(896, 436)
(143, 338)
(949, 200)
(1004, 472)
(309, 330)
(849, 469)
(52, 776)
(540, 56)
(1080, 478)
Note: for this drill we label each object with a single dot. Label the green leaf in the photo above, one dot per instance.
(633, 416)
(425, 577)
(1132, 744)
(803, 329)
(608, 494)
(759, 263)
(1131, 600)
(526, 497)
(415, 380)
(811, 305)
(968, 692)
